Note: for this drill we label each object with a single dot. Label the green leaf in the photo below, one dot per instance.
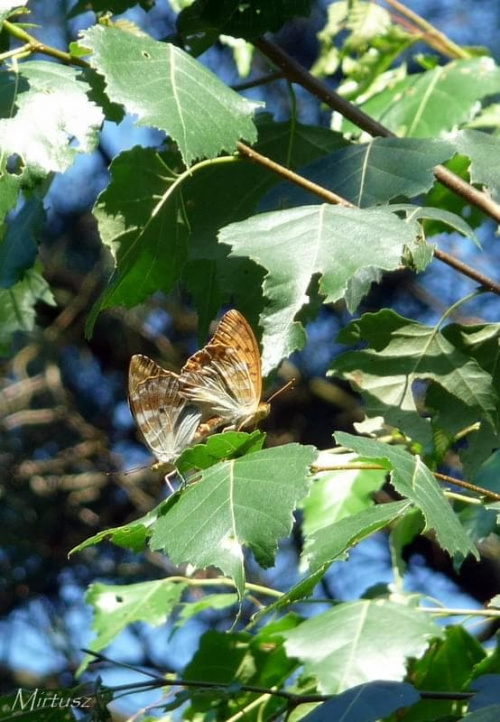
(54, 119)
(484, 714)
(332, 541)
(402, 352)
(445, 219)
(151, 209)
(413, 480)
(372, 173)
(360, 642)
(17, 305)
(131, 536)
(228, 445)
(208, 602)
(336, 495)
(18, 248)
(144, 225)
(181, 96)
(117, 606)
(429, 104)
(7, 6)
(481, 343)
(331, 241)
(403, 532)
(237, 18)
(445, 667)
(366, 702)
(248, 501)
(481, 148)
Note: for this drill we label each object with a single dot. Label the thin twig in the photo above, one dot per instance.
(430, 31)
(441, 477)
(296, 73)
(263, 80)
(289, 175)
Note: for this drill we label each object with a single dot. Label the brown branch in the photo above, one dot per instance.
(440, 477)
(289, 175)
(487, 283)
(296, 73)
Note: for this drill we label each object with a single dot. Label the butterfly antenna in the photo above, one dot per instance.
(126, 473)
(284, 388)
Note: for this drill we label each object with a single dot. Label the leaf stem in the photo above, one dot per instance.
(298, 74)
(234, 688)
(36, 46)
(442, 40)
(15, 52)
(440, 477)
(289, 175)
(225, 582)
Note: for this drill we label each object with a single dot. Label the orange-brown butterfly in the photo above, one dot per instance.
(220, 385)
(224, 378)
(167, 421)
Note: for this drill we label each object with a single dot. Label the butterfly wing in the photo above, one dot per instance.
(224, 378)
(167, 422)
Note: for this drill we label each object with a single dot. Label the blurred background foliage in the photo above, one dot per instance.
(67, 434)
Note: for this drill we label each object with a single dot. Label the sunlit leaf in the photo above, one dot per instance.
(181, 96)
(245, 502)
(53, 118)
(402, 352)
(380, 633)
(296, 244)
(426, 105)
(412, 479)
(117, 606)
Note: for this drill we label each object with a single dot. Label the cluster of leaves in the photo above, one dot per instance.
(190, 214)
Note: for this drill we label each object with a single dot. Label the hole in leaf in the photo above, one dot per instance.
(146, 55)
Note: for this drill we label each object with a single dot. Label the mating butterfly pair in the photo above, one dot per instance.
(219, 386)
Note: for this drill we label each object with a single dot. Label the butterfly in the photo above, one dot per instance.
(219, 386)
(168, 422)
(224, 378)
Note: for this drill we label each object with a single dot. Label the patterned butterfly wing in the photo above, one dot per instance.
(224, 378)
(167, 422)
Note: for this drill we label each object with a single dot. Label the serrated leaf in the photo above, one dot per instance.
(402, 352)
(413, 480)
(55, 120)
(228, 445)
(239, 19)
(209, 602)
(7, 6)
(360, 642)
(181, 96)
(247, 501)
(331, 542)
(117, 606)
(447, 219)
(426, 105)
(331, 241)
(339, 494)
(481, 148)
(150, 209)
(144, 225)
(365, 703)
(131, 536)
(18, 247)
(372, 173)
(445, 667)
(17, 305)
